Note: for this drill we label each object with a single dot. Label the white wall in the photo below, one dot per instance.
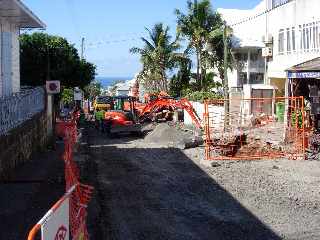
(199, 109)
(6, 26)
(15, 60)
(292, 14)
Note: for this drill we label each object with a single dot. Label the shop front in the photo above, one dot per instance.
(304, 80)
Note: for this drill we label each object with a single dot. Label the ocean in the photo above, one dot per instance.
(108, 81)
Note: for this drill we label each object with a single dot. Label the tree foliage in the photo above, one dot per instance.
(181, 79)
(93, 90)
(157, 56)
(40, 52)
(67, 96)
(201, 25)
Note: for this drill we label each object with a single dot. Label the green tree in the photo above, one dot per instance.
(157, 56)
(45, 57)
(67, 96)
(199, 26)
(93, 90)
(181, 80)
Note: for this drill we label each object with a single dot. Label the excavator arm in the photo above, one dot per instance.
(169, 103)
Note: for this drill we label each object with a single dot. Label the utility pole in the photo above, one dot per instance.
(225, 75)
(82, 48)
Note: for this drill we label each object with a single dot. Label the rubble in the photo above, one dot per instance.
(168, 135)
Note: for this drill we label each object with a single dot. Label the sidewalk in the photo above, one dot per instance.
(30, 193)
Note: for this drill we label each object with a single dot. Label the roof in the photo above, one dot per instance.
(249, 33)
(123, 88)
(312, 65)
(18, 13)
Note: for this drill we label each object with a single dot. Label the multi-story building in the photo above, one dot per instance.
(270, 39)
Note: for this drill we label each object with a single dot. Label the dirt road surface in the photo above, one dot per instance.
(152, 191)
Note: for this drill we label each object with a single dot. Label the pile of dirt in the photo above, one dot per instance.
(170, 135)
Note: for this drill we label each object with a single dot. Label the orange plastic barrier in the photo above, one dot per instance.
(78, 194)
(255, 128)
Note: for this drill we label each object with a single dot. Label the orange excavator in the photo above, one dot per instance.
(163, 108)
(127, 115)
(123, 117)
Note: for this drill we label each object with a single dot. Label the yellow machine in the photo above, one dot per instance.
(103, 103)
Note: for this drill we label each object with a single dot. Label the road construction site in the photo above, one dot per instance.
(156, 187)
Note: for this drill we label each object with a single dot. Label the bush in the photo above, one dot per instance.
(200, 96)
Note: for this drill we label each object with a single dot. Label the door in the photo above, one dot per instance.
(263, 102)
(6, 60)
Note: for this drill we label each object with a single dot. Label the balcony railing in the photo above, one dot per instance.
(16, 109)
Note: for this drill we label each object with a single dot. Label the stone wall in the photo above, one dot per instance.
(18, 146)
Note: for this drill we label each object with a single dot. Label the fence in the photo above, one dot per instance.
(255, 128)
(20, 107)
(68, 216)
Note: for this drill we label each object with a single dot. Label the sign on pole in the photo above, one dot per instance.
(53, 87)
(56, 226)
(77, 94)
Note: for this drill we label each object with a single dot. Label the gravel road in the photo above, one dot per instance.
(151, 191)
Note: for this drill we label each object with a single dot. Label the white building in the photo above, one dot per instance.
(14, 16)
(290, 29)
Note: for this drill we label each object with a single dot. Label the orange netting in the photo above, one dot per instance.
(82, 194)
(255, 128)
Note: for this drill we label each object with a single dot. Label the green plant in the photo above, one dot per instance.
(200, 96)
(67, 96)
(294, 119)
(157, 56)
(202, 27)
(46, 56)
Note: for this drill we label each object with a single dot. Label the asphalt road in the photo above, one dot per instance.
(146, 191)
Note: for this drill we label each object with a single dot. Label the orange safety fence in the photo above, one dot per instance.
(77, 194)
(255, 128)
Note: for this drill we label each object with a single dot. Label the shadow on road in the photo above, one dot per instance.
(29, 193)
(159, 193)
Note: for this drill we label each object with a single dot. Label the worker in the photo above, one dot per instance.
(99, 116)
(107, 123)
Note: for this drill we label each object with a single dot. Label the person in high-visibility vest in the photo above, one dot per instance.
(99, 116)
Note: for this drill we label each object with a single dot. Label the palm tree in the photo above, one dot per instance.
(199, 26)
(157, 56)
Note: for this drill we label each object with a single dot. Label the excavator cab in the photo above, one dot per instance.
(123, 117)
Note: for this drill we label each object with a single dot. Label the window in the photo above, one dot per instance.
(243, 78)
(307, 39)
(304, 38)
(281, 42)
(314, 36)
(256, 78)
(317, 36)
(293, 35)
(288, 41)
(301, 36)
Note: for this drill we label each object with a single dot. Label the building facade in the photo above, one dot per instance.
(271, 38)
(14, 16)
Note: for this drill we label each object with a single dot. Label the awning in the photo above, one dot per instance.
(308, 69)
(15, 11)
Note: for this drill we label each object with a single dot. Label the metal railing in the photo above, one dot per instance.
(20, 107)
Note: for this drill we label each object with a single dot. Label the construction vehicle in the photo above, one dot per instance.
(123, 117)
(103, 103)
(163, 107)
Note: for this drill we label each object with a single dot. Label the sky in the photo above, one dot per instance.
(111, 28)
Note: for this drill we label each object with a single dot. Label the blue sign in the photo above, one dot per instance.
(303, 74)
